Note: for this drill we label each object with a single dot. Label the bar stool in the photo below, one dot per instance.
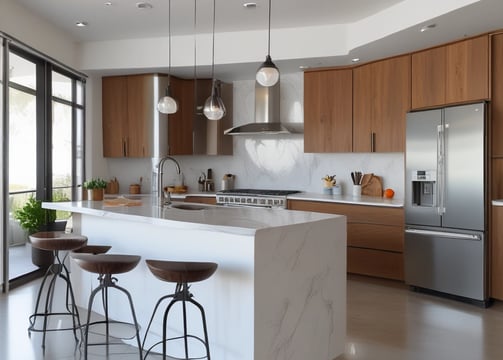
(106, 266)
(56, 241)
(181, 273)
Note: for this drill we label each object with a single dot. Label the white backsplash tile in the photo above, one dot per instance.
(271, 162)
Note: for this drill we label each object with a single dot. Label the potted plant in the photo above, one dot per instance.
(32, 218)
(95, 188)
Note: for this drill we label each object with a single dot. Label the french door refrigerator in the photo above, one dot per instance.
(445, 210)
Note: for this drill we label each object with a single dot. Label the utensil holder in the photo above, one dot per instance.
(357, 191)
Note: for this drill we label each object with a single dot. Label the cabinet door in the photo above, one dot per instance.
(497, 95)
(140, 95)
(428, 78)
(497, 253)
(362, 109)
(467, 66)
(380, 102)
(328, 111)
(391, 101)
(180, 124)
(114, 113)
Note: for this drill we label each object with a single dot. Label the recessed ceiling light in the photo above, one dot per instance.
(428, 27)
(81, 23)
(304, 67)
(355, 60)
(108, 3)
(144, 5)
(250, 5)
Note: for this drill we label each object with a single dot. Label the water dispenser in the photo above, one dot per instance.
(424, 188)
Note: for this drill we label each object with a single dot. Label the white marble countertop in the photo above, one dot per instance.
(497, 202)
(343, 199)
(237, 220)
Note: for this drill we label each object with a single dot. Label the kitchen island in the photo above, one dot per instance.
(280, 288)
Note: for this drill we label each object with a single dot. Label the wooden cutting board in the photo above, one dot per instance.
(371, 185)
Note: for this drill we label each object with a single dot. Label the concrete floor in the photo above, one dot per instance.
(386, 321)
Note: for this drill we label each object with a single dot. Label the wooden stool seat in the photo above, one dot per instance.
(93, 249)
(181, 272)
(106, 264)
(57, 240)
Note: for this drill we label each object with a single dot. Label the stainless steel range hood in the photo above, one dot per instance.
(267, 120)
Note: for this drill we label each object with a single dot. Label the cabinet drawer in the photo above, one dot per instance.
(377, 263)
(373, 236)
(201, 199)
(354, 213)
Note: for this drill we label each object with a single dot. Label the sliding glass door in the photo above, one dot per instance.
(43, 159)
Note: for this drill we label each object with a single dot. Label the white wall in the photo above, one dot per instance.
(32, 30)
(271, 162)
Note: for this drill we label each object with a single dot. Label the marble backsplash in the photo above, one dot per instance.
(270, 162)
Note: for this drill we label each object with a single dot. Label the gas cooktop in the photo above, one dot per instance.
(254, 197)
(252, 192)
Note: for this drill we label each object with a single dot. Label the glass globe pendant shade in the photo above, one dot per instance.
(268, 74)
(214, 108)
(166, 104)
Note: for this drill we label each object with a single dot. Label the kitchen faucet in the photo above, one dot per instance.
(161, 200)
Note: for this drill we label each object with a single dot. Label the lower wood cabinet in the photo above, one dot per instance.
(212, 200)
(497, 253)
(374, 239)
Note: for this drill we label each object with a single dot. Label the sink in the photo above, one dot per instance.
(183, 206)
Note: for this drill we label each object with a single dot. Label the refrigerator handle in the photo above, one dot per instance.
(440, 170)
(443, 234)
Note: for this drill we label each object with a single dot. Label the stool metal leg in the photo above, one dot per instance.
(57, 269)
(181, 294)
(106, 282)
(150, 324)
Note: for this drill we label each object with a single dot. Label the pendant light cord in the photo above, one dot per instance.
(213, 46)
(269, 32)
(169, 42)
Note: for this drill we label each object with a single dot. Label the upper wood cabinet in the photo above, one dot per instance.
(381, 99)
(497, 95)
(130, 113)
(126, 106)
(428, 78)
(454, 73)
(181, 124)
(328, 111)
(114, 111)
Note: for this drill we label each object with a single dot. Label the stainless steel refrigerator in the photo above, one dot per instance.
(445, 209)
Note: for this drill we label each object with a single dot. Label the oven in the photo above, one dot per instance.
(254, 198)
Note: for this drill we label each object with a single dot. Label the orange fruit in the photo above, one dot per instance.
(389, 193)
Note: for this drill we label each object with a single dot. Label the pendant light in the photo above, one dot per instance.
(167, 104)
(214, 108)
(268, 73)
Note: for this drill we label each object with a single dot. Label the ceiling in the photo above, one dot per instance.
(124, 20)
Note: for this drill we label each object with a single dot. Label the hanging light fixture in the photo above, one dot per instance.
(167, 104)
(214, 108)
(268, 73)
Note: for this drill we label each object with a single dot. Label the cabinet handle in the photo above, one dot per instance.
(372, 142)
(124, 152)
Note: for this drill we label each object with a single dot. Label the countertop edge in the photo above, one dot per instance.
(348, 199)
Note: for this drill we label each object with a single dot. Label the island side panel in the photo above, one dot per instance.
(300, 291)
(227, 296)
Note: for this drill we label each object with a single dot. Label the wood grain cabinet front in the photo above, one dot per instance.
(374, 236)
(452, 73)
(328, 119)
(381, 99)
(126, 105)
